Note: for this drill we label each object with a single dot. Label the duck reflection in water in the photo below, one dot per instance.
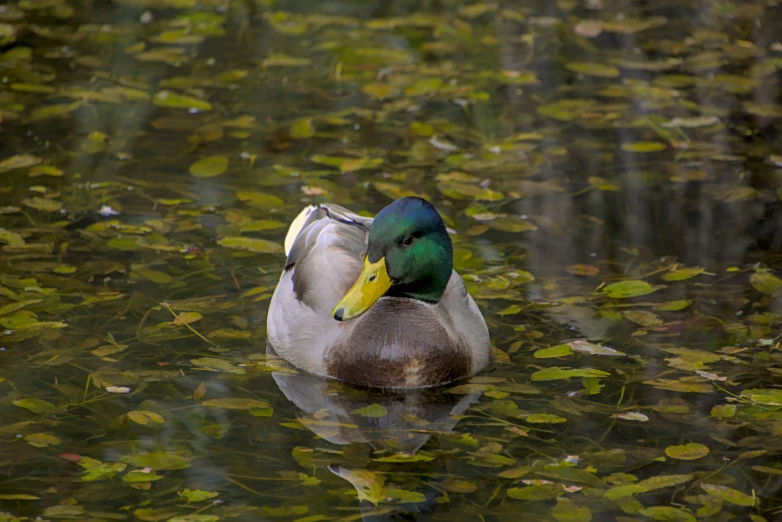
(391, 422)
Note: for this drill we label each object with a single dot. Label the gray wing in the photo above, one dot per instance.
(326, 256)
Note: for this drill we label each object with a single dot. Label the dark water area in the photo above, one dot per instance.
(611, 173)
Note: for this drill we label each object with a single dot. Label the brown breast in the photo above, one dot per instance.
(398, 343)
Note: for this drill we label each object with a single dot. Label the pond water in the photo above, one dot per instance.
(612, 175)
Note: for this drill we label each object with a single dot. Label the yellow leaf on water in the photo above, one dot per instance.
(11, 238)
(372, 411)
(559, 350)
(515, 473)
(248, 244)
(594, 69)
(302, 129)
(199, 392)
(35, 405)
(94, 143)
(625, 289)
(667, 514)
(582, 270)
(221, 365)
(672, 306)
(283, 60)
(53, 111)
(680, 274)
(545, 418)
(41, 440)
(43, 204)
(567, 511)
(626, 25)
(145, 417)
(235, 404)
(186, 318)
(180, 101)
(19, 161)
(643, 318)
(691, 451)
(766, 283)
(209, 167)
(259, 199)
(536, 492)
(644, 146)
(108, 349)
(44, 170)
(378, 90)
(454, 485)
(731, 495)
(155, 276)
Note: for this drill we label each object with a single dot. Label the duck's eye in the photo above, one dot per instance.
(372, 278)
(408, 240)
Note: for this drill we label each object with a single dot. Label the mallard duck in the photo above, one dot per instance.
(376, 302)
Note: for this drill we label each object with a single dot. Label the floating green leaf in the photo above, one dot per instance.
(545, 418)
(626, 289)
(650, 484)
(152, 275)
(284, 60)
(378, 90)
(672, 306)
(723, 411)
(194, 518)
(644, 146)
(594, 69)
(582, 346)
(261, 246)
(567, 511)
(134, 477)
(95, 142)
(64, 511)
(209, 167)
(180, 101)
(766, 283)
(11, 238)
(41, 440)
(667, 514)
(404, 457)
(730, 495)
(643, 318)
(302, 129)
(220, 365)
(19, 161)
(551, 374)
(690, 451)
(144, 417)
(260, 199)
(235, 404)
(197, 495)
(541, 492)
(680, 274)
(43, 204)
(560, 350)
(766, 397)
(35, 405)
(373, 410)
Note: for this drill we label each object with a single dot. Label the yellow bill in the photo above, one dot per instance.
(372, 283)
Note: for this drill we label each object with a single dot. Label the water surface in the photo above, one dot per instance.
(612, 175)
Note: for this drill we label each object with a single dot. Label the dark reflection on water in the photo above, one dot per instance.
(638, 141)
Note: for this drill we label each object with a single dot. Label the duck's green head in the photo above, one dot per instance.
(409, 254)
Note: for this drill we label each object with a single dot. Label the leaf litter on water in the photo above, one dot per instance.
(99, 228)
